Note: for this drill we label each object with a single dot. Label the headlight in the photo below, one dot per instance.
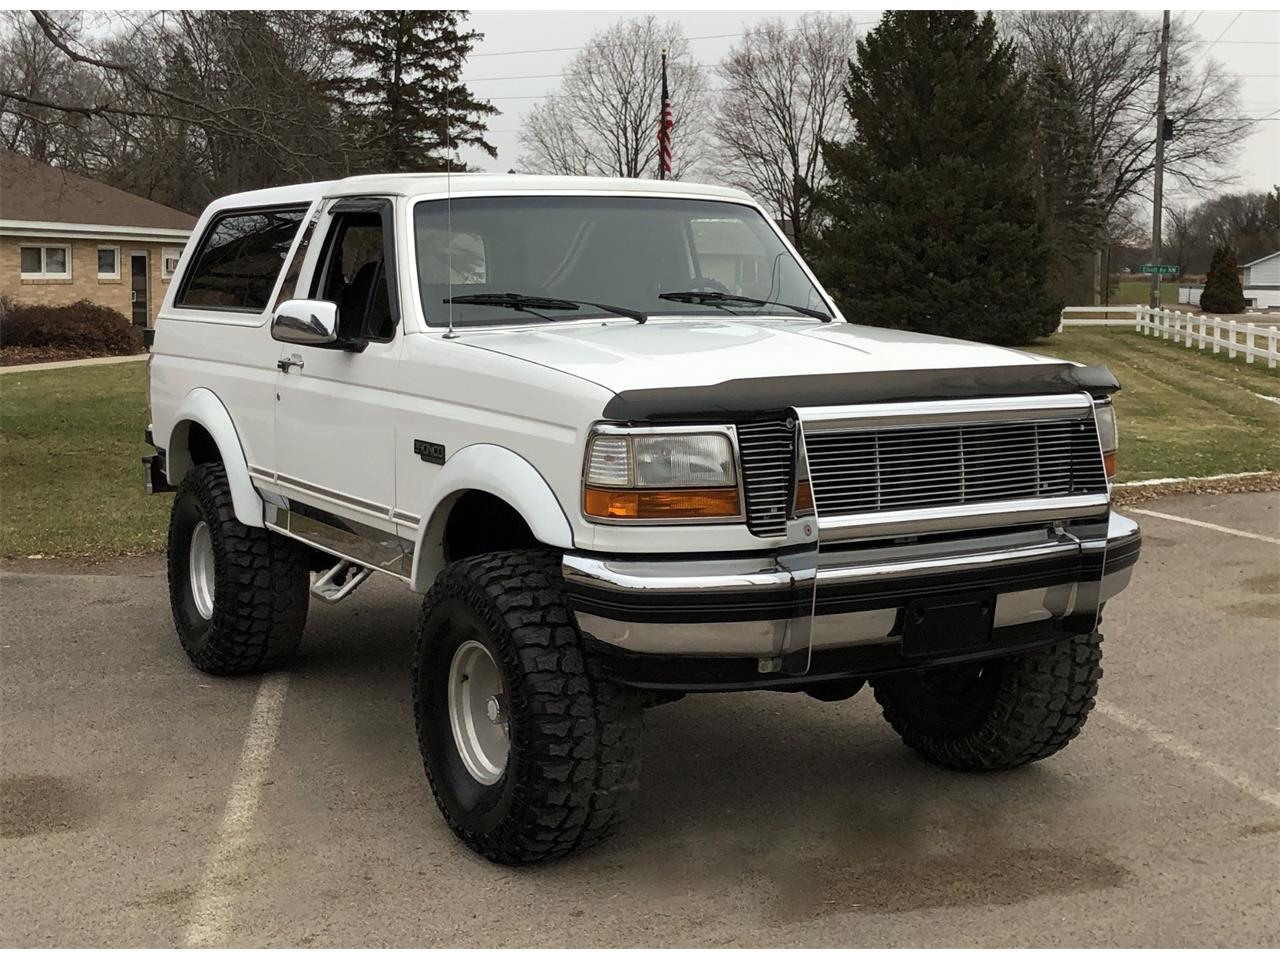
(661, 476)
(1104, 415)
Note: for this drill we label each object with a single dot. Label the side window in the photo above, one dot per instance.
(239, 259)
(355, 273)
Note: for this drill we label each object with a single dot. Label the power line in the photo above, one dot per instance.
(709, 36)
(553, 76)
(709, 66)
(518, 53)
(1238, 15)
(856, 23)
(526, 76)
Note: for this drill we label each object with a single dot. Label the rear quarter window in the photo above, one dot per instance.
(240, 257)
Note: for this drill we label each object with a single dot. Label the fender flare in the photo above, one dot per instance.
(498, 471)
(202, 406)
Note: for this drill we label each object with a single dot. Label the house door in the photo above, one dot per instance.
(139, 278)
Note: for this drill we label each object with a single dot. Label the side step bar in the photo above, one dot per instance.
(339, 581)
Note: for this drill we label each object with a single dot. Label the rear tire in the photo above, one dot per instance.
(996, 714)
(238, 594)
(558, 777)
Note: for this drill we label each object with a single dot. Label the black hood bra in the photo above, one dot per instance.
(746, 399)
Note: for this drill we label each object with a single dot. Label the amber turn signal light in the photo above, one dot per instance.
(804, 499)
(693, 504)
(1109, 464)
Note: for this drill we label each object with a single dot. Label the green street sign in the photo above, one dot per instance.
(1164, 269)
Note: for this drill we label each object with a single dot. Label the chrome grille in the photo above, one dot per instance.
(767, 451)
(902, 468)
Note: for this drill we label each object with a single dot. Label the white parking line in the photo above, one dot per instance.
(213, 898)
(1186, 751)
(1207, 526)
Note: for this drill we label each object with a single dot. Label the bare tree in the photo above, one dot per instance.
(32, 65)
(604, 119)
(1247, 222)
(182, 106)
(781, 100)
(1111, 57)
(1183, 233)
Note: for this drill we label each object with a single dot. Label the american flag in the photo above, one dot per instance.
(665, 124)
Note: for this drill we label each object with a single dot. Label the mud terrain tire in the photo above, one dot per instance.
(247, 612)
(573, 736)
(997, 714)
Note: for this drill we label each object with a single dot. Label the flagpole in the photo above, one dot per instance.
(662, 120)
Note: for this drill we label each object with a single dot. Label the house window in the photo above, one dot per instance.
(108, 263)
(169, 257)
(46, 262)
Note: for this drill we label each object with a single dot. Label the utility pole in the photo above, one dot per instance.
(1158, 191)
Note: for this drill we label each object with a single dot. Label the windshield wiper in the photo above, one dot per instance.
(716, 297)
(520, 301)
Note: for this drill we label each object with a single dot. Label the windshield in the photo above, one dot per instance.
(612, 250)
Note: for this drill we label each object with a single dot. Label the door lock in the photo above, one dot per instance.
(284, 363)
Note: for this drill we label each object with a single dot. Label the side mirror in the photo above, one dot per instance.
(309, 322)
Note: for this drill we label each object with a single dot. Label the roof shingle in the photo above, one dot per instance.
(30, 190)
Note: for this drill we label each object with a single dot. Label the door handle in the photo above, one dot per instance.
(286, 362)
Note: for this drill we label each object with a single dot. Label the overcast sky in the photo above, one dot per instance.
(1246, 43)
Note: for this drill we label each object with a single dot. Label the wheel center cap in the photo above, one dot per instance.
(493, 709)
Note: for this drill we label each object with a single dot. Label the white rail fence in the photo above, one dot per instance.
(1120, 315)
(1255, 341)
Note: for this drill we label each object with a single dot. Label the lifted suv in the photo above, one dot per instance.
(628, 449)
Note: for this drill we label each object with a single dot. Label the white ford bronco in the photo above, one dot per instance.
(627, 448)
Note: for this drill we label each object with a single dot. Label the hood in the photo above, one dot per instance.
(660, 354)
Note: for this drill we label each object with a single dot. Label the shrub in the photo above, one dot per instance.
(1222, 290)
(83, 328)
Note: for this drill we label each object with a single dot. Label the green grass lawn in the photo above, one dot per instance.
(71, 479)
(70, 440)
(1139, 291)
(1183, 413)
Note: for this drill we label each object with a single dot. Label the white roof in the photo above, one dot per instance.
(1260, 259)
(429, 184)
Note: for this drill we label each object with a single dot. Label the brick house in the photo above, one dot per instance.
(65, 238)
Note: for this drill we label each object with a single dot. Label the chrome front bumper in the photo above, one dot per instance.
(1046, 581)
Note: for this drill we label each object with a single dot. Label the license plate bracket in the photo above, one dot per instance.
(957, 623)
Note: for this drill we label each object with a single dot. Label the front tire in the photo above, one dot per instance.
(498, 647)
(238, 594)
(996, 714)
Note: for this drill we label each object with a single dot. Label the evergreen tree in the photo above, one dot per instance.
(1223, 292)
(410, 106)
(934, 218)
(1070, 197)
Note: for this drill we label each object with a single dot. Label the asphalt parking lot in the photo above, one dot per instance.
(143, 803)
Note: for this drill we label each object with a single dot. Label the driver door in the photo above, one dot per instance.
(335, 418)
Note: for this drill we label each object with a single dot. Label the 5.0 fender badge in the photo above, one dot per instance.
(428, 451)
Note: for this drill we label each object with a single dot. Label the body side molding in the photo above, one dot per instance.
(202, 406)
(490, 469)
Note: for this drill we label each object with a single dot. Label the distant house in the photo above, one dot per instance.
(1263, 273)
(1260, 279)
(65, 238)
